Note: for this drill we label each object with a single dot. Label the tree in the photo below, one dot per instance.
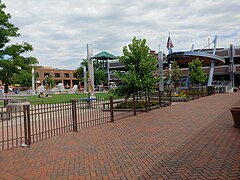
(196, 74)
(12, 62)
(84, 63)
(79, 74)
(99, 71)
(99, 76)
(174, 74)
(140, 66)
(24, 78)
(49, 81)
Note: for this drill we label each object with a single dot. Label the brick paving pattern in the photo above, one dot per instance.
(191, 140)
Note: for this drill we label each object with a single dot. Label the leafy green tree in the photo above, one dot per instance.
(24, 78)
(196, 74)
(49, 81)
(140, 66)
(96, 64)
(79, 74)
(12, 62)
(174, 74)
(99, 76)
(84, 63)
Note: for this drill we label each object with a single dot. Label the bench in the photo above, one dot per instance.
(89, 101)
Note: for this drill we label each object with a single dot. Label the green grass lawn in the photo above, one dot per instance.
(54, 98)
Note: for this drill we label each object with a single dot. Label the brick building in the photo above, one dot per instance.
(65, 77)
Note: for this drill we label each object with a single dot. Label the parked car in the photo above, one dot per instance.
(113, 86)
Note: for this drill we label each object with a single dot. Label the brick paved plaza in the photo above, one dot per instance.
(191, 140)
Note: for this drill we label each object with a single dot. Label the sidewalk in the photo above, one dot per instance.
(191, 140)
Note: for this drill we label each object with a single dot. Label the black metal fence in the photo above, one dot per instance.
(31, 123)
(23, 125)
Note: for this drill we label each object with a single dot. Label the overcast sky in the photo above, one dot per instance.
(60, 29)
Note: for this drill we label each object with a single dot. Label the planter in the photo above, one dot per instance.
(236, 116)
(235, 89)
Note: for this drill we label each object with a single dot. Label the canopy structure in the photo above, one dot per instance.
(207, 59)
(186, 56)
(104, 56)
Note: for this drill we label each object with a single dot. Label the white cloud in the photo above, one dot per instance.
(59, 30)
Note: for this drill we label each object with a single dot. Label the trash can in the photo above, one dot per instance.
(235, 89)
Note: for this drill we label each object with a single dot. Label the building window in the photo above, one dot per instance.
(46, 75)
(66, 75)
(57, 75)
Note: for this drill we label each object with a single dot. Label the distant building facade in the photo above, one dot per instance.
(66, 77)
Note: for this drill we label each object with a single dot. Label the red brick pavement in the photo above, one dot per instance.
(192, 140)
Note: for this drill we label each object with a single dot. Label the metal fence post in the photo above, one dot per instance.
(5, 101)
(170, 97)
(134, 105)
(159, 98)
(146, 102)
(198, 92)
(193, 92)
(27, 128)
(111, 109)
(149, 102)
(189, 92)
(74, 115)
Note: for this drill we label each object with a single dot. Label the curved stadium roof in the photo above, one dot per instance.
(186, 56)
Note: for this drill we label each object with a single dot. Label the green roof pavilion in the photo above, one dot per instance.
(104, 56)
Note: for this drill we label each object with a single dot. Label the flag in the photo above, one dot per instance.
(169, 44)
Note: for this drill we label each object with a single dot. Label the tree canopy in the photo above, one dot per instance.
(140, 65)
(100, 75)
(79, 74)
(174, 74)
(196, 74)
(12, 60)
